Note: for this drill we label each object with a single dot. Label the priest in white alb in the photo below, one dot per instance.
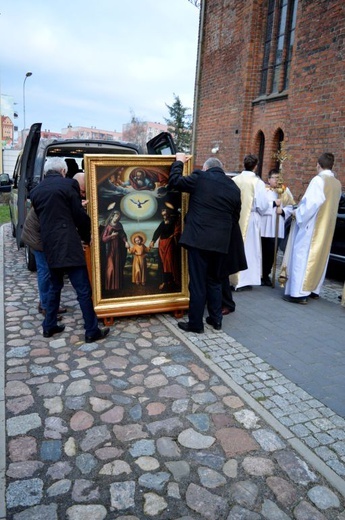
(311, 235)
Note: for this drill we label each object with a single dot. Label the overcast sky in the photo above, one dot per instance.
(93, 63)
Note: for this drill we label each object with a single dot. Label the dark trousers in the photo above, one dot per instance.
(267, 255)
(79, 279)
(227, 299)
(43, 277)
(204, 286)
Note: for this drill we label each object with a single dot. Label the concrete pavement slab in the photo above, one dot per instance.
(305, 343)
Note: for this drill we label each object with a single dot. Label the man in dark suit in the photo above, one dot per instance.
(235, 262)
(64, 225)
(214, 203)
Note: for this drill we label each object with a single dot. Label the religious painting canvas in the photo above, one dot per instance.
(136, 263)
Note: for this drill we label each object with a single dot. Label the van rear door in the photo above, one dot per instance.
(26, 175)
(161, 144)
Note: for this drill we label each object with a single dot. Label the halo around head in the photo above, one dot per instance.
(140, 234)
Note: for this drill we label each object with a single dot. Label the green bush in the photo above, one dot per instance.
(4, 214)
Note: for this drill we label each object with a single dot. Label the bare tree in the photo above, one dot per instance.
(197, 3)
(135, 131)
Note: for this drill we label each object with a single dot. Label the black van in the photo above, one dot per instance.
(336, 263)
(28, 171)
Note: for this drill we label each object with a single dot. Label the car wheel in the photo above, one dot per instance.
(30, 259)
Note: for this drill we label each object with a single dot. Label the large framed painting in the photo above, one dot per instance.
(136, 264)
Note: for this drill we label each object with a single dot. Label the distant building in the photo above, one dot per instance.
(81, 132)
(47, 134)
(133, 132)
(8, 115)
(7, 131)
(141, 132)
(154, 129)
(268, 71)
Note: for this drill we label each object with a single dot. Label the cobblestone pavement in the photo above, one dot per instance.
(144, 424)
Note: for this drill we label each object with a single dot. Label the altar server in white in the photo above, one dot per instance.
(254, 204)
(312, 234)
(273, 221)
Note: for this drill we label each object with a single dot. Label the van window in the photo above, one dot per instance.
(16, 173)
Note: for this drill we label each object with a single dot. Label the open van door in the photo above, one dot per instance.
(26, 175)
(162, 144)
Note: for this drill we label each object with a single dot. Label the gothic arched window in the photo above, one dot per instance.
(279, 40)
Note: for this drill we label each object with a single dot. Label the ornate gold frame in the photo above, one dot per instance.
(99, 170)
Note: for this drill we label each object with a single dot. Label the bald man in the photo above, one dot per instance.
(80, 178)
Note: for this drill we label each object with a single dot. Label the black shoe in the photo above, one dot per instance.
(55, 330)
(244, 288)
(184, 325)
(215, 325)
(266, 282)
(292, 299)
(100, 334)
(314, 296)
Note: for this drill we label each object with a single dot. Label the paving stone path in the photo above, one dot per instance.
(136, 426)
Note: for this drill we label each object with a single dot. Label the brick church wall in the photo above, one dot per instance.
(228, 110)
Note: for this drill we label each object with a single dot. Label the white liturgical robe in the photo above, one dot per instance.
(269, 218)
(312, 234)
(254, 204)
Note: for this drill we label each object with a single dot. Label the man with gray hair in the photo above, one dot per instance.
(64, 225)
(214, 206)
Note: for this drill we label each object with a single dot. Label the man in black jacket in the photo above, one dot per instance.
(64, 225)
(214, 203)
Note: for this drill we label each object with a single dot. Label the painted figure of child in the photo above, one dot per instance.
(139, 266)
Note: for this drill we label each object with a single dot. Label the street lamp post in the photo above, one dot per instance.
(27, 75)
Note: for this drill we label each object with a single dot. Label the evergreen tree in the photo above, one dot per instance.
(180, 125)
